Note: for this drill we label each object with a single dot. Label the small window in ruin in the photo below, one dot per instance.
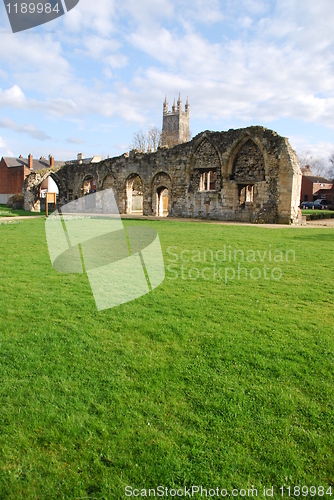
(89, 186)
(246, 194)
(208, 181)
(250, 193)
(70, 194)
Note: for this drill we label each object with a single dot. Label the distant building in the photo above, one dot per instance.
(81, 160)
(175, 123)
(13, 172)
(315, 187)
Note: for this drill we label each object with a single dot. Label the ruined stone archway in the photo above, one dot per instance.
(163, 201)
(247, 158)
(134, 194)
(32, 200)
(161, 187)
(248, 164)
(203, 172)
(223, 190)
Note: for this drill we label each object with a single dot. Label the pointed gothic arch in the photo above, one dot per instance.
(161, 189)
(33, 201)
(204, 166)
(134, 194)
(246, 159)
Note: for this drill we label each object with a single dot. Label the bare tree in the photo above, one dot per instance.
(154, 139)
(150, 141)
(147, 142)
(316, 165)
(140, 142)
(331, 167)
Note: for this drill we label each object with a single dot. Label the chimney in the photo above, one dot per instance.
(51, 160)
(30, 161)
(80, 158)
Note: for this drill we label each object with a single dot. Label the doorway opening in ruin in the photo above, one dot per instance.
(134, 195)
(162, 202)
(48, 185)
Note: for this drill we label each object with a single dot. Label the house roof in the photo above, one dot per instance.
(23, 162)
(318, 180)
(84, 161)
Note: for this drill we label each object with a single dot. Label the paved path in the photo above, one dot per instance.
(22, 217)
(315, 223)
(321, 223)
(327, 223)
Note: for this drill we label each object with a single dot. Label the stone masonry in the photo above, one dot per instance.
(249, 175)
(175, 123)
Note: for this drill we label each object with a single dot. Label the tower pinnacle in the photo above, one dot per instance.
(175, 125)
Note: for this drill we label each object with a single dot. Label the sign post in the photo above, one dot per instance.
(50, 198)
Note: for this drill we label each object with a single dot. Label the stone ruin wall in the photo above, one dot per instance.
(253, 160)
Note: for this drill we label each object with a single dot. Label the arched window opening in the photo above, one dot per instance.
(163, 200)
(208, 181)
(134, 195)
(245, 194)
(89, 186)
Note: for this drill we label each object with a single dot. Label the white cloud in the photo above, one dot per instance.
(4, 149)
(99, 16)
(36, 61)
(149, 14)
(12, 97)
(313, 150)
(28, 129)
(247, 61)
(103, 49)
(75, 140)
(263, 78)
(206, 12)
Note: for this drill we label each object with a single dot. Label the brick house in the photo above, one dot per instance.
(13, 172)
(316, 187)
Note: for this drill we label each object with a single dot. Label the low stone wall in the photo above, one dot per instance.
(4, 198)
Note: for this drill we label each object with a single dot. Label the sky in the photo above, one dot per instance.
(89, 80)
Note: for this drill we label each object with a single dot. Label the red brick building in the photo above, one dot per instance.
(13, 172)
(316, 187)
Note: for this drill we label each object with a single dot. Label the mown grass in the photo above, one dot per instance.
(213, 382)
(11, 212)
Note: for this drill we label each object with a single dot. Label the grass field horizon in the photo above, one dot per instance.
(221, 377)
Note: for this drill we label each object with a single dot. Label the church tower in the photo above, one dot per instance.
(175, 123)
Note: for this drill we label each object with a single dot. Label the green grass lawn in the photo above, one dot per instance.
(11, 212)
(315, 211)
(211, 379)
